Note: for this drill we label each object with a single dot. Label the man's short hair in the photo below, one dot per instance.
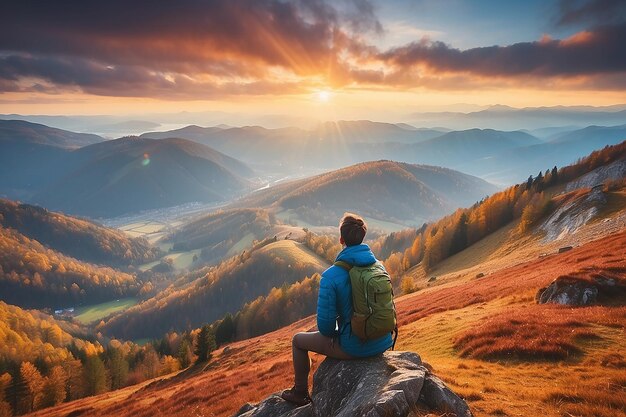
(353, 229)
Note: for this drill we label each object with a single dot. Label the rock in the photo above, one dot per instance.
(436, 395)
(388, 385)
(572, 215)
(432, 279)
(592, 287)
(568, 292)
(480, 275)
(613, 171)
(565, 249)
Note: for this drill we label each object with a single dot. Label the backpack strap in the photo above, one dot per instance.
(343, 265)
(395, 337)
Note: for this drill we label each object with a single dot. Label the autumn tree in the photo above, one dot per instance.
(5, 407)
(54, 390)
(34, 385)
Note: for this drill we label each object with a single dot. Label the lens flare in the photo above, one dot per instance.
(146, 159)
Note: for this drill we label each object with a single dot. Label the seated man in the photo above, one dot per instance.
(334, 311)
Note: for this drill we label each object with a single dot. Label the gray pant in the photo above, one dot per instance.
(305, 342)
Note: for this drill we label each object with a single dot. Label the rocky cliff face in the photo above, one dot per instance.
(393, 384)
(573, 215)
(599, 175)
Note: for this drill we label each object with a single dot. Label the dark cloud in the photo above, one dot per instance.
(587, 53)
(208, 48)
(594, 12)
(182, 35)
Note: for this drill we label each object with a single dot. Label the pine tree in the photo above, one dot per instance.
(205, 344)
(118, 368)
(94, 376)
(225, 331)
(185, 355)
(459, 238)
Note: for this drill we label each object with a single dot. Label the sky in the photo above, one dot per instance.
(354, 59)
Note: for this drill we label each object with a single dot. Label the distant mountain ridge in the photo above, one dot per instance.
(133, 174)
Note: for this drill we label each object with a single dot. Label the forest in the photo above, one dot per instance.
(44, 361)
(228, 286)
(34, 276)
(78, 238)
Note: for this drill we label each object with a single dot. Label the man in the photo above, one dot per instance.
(334, 311)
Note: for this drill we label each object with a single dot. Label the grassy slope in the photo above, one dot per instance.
(430, 321)
(90, 314)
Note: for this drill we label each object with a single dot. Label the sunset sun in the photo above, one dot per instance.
(323, 96)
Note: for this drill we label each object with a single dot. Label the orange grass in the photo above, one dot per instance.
(538, 332)
(525, 278)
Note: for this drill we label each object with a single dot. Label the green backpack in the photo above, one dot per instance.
(372, 301)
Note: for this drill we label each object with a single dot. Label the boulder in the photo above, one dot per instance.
(389, 385)
(606, 286)
(568, 292)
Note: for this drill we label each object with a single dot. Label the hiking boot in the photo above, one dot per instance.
(296, 397)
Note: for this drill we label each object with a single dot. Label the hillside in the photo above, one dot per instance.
(130, 174)
(228, 285)
(34, 276)
(431, 323)
(395, 192)
(75, 237)
(221, 231)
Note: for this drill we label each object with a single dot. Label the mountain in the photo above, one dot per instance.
(597, 136)
(513, 165)
(382, 190)
(78, 238)
(37, 134)
(131, 174)
(228, 286)
(466, 146)
(328, 145)
(504, 117)
(30, 151)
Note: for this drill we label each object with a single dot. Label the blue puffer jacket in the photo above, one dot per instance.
(334, 304)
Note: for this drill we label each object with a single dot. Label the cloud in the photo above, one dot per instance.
(201, 49)
(587, 53)
(595, 12)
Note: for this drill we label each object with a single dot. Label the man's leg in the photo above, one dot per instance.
(302, 343)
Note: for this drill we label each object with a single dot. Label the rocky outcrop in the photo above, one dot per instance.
(614, 170)
(572, 215)
(568, 292)
(392, 384)
(586, 289)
